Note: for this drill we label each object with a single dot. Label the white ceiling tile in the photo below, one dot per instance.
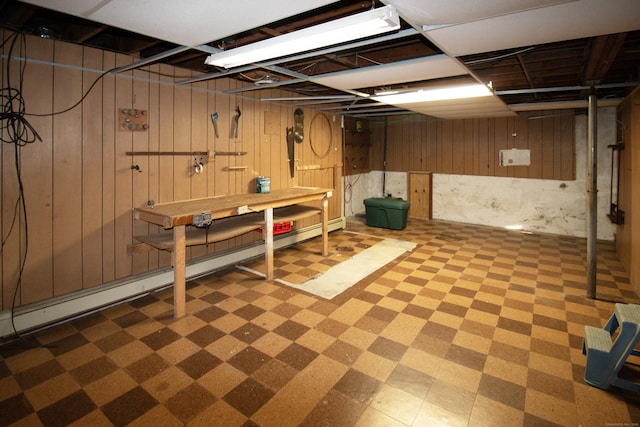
(185, 22)
(568, 21)
(428, 68)
(439, 12)
(487, 106)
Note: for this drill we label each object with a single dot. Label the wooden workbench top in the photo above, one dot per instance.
(171, 214)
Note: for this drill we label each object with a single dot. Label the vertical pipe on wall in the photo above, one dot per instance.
(384, 159)
(592, 196)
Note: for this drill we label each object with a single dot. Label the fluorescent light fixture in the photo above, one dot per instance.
(366, 24)
(436, 94)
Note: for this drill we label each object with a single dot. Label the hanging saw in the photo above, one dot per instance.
(214, 121)
(234, 133)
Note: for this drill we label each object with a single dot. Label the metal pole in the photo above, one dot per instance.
(592, 194)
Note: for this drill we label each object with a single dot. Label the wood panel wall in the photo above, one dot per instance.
(628, 234)
(472, 146)
(79, 186)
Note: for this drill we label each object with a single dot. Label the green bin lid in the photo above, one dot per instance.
(389, 203)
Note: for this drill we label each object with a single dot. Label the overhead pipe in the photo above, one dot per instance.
(592, 195)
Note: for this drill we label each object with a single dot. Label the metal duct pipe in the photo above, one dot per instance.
(592, 195)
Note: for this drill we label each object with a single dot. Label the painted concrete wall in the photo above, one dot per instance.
(542, 206)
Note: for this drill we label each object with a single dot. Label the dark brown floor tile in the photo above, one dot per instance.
(388, 349)
(94, 370)
(88, 321)
(477, 328)
(551, 349)
(249, 360)
(249, 312)
(291, 330)
(160, 338)
(418, 311)
(67, 410)
(371, 324)
(275, 374)
(199, 364)
(114, 341)
(343, 352)
(332, 327)
(549, 322)
(502, 391)
(549, 384)
(486, 307)
(210, 314)
(509, 353)
(454, 309)
(15, 408)
(66, 344)
(438, 331)
(466, 357)
(131, 405)
(248, 332)
(205, 335)
(189, 402)
(410, 380)
(38, 374)
(358, 386)
(130, 319)
(514, 326)
(286, 309)
(335, 409)
(382, 313)
(249, 396)
(146, 368)
(214, 298)
(297, 356)
(533, 421)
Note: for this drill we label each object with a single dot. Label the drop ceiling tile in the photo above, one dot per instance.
(428, 68)
(444, 12)
(567, 21)
(185, 22)
(488, 106)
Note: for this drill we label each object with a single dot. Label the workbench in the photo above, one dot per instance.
(203, 212)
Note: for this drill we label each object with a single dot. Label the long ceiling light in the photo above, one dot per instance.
(366, 24)
(436, 94)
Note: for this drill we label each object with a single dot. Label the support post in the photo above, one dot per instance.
(592, 195)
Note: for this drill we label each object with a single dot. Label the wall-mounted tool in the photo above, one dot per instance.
(130, 119)
(291, 150)
(214, 121)
(198, 166)
(234, 130)
(136, 168)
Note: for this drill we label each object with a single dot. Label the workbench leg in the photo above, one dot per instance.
(325, 226)
(268, 242)
(179, 271)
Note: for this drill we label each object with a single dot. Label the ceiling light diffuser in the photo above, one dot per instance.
(437, 94)
(354, 27)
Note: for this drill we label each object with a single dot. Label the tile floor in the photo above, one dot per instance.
(476, 327)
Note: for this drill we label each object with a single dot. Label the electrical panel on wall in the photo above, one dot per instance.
(515, 157)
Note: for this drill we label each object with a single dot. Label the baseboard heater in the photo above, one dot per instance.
(36, 316)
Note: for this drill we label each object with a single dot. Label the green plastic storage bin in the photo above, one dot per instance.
(387, 213)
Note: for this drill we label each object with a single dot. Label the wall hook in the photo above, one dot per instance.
(136, 167)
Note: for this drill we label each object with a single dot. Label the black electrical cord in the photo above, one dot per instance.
(15, 129)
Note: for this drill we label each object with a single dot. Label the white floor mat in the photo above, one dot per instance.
(349, 272)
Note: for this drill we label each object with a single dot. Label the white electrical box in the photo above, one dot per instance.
(515, 157)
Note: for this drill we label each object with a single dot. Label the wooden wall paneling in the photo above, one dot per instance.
(152, 162)
(67, 171)
(534, 136)
(415, 144)
(165, 125)
(547, 147)
(492, 157)
(140, 180)
(36, 168)
(375, 149)
(521, 142)
(469, 146)
(634, 207)
(482, 147)
(568, 147)
(558, 161)
(12, 234)
(502, 139)
(431, 145)
(458, 154)
(447, 146)
(200, 122)
(91, 109)
(221, 163)
(123, 175)
(108, 142)
(183, 165)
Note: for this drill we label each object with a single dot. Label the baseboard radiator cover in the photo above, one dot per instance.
(33, 317)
